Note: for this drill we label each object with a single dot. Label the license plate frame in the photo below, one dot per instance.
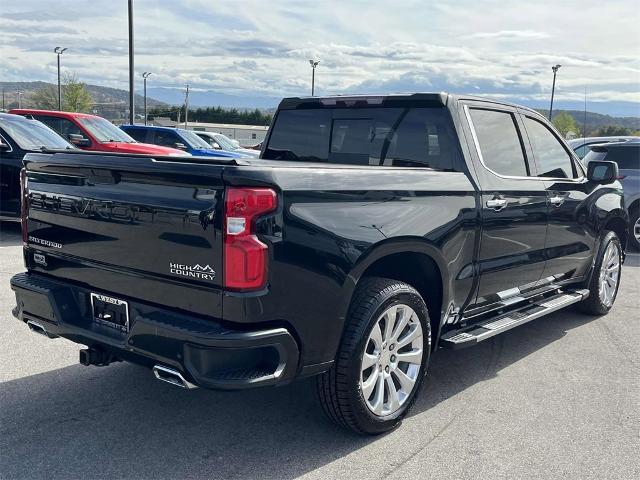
(110, 311)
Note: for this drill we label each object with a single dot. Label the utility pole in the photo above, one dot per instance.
(144, 78)
(59, 51)
(19, 99)
(553, 88)
(132, 106)
(584, 124)
(313, 64)
(186, 107)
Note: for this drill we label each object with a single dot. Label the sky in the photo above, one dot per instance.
(258, 48)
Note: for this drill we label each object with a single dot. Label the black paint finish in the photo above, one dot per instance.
(122, 220)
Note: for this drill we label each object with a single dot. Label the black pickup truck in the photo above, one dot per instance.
(372, 231)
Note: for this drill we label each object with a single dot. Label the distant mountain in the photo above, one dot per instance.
(111, 103)
(210, 98)
(597, 120)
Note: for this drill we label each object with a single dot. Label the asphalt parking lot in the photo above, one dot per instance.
(559, 397)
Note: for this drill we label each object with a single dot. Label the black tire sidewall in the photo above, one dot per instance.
(364, 417)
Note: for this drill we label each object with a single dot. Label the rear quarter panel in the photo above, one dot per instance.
(333, 223)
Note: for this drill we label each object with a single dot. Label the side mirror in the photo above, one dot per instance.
(79, 140)
(216, 145)
(4, 147)
(602, 172)
(180, 146)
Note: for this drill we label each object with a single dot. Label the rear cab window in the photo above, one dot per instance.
(374, 136)
(552, 159)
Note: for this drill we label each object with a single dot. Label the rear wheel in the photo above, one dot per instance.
(382, 358)
(605, 279)
(634, 227)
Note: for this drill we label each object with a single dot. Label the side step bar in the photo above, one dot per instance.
(491, 327)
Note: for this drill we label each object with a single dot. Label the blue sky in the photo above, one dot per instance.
(261, 48)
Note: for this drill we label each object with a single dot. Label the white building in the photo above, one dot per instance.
(247, 135)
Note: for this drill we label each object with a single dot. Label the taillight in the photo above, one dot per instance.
(24, 208)
(245, 256)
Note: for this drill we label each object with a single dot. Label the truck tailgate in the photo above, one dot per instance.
(131, 226)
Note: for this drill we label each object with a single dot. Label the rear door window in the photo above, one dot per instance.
(627, 157)
(499, 142)
(552, 159)
(137, 134)
(166, 139)
(62, 126)
(406, 137)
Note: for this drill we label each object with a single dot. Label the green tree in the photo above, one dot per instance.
(75, 96)
(612, 131)
(565, 124)
(46, 98)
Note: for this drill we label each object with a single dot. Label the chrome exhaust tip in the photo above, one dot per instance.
(172, 376)
(37, 328)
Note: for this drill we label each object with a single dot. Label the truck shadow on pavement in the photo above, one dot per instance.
(119, 422)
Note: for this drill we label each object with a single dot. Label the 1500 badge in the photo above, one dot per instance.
(203, 272)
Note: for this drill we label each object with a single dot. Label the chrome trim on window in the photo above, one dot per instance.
(479, 151)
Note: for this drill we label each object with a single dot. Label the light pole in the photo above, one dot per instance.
(186, 107)
(59, 51)
(19, 92)
(132, 106)
(144, 78)
(553, 87)
(314, 64)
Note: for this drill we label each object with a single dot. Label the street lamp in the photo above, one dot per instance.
(553, 88)
(144, 78)
(59, 51)
(132, 104)
(313, 64)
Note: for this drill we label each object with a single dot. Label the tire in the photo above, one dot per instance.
(342, 390)
(599, 303)
(634, 228)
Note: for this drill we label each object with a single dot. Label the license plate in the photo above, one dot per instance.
(110, 311)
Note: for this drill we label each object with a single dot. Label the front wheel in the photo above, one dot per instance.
(605, 278)
(382, 358)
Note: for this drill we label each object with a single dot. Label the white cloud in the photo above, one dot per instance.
(256, 47)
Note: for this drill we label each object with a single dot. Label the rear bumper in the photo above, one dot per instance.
(207, 353)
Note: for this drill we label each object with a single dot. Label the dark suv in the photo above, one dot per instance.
(626, 154)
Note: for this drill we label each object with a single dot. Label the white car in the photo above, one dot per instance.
(220, 141)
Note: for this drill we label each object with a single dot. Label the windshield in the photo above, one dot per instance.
(225, 142)
(389, 136)
(104, 131)
(194, 140)
(32, 134)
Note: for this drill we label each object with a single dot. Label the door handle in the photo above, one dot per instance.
(556, 200)
(496, 203)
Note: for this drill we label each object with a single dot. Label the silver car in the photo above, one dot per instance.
(582, 145)
(627, 155)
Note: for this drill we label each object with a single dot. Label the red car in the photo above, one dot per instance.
(91, 132)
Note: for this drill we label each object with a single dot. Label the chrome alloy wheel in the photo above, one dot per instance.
(636, 229)
(609, 274)
(391, 360)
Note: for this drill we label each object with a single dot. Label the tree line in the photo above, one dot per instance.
(214, 115)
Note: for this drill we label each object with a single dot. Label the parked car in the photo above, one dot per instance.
(373, 231)
(180, 138)
(19, 136)
(582, 145)
(94, 133)
(626, 154)
(219, 141)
